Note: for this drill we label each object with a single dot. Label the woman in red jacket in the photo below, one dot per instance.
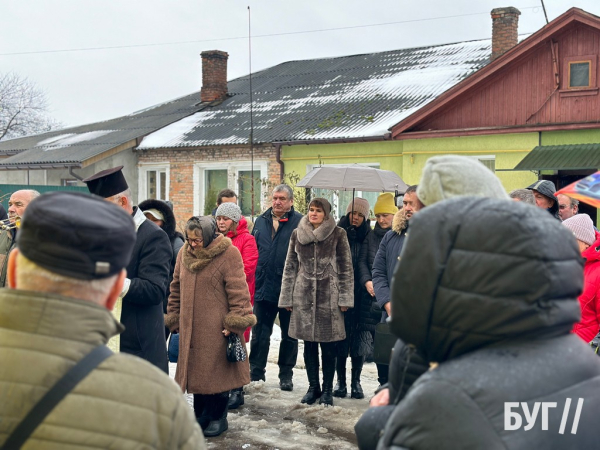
(232, 224)
(589, 244)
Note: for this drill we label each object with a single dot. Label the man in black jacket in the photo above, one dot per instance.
(494, 311)
(147, 274)
(272, 232)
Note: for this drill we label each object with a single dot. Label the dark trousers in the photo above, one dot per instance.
(265, 313)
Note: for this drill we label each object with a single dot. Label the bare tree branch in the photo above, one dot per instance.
(23, 108)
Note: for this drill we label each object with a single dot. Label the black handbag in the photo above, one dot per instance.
(236, 352)
(384, 343)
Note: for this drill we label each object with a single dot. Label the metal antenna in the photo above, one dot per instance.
(544, 8)
(251, 113)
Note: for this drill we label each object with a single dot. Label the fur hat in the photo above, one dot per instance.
(360, 206)
(324, 203)
(451, 176)
(230, 210)
(385, 204)
(582, 227)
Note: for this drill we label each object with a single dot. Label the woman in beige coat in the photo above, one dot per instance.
(209, 300)
(317, 287)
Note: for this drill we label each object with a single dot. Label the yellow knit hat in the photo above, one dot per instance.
(385, 204)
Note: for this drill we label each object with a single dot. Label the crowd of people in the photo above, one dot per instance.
(487, 301)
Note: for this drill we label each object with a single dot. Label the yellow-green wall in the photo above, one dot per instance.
(407, 157)
(387, 153)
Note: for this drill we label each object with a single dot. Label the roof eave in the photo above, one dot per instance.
(385, 137)
(40, 166)
(572, 15)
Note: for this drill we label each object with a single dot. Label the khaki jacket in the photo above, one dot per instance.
(124, 403)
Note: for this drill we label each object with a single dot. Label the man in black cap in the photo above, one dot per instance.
(66, 275)
(543, 191)
(147, 274)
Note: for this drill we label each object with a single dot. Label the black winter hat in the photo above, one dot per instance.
(94, 242)
(544, 187)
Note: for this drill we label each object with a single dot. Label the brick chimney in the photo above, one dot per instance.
(214, 75)
(505, 24)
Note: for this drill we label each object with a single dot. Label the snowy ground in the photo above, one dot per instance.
(274, 419)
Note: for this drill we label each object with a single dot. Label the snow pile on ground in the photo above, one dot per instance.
(275, 419)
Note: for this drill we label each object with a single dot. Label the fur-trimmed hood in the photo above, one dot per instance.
(400, 222)
(196, 260)
(167, 212)
(307, 233)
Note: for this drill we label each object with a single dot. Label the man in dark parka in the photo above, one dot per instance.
(147, 274)
(495, 311)
(272, 232)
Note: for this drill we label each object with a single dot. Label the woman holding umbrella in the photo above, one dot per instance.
(317, 287)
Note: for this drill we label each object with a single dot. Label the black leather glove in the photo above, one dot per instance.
(595, 343)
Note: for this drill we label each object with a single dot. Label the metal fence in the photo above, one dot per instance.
(7, 189)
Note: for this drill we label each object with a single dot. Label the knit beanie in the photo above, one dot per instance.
(230, 210)
(321, 203)
(360, 206)
(451, 176)
(582, 227)
(385, 204)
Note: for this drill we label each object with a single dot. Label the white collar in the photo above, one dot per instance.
(138, 218)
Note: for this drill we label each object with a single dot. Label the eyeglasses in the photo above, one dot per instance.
(194, 241)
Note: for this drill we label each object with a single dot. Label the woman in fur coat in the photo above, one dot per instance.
(209, 300)
(317, 287)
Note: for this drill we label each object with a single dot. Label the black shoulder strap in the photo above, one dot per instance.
(53, 397)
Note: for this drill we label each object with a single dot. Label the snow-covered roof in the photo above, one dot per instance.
(328, 98)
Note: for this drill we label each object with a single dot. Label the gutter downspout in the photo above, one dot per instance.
(74, 175)
(280, 162)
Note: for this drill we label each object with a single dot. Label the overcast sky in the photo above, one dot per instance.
(85, 86)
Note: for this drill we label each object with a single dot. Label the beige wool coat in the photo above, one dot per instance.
(318, 279)
(208, 293)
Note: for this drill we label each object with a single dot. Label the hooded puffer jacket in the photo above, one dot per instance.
(169, 227)
(479, 291)
(589, 300)
(386, 258)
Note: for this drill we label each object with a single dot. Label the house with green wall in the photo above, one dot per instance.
(532, 113)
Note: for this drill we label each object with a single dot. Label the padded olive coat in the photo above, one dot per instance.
(125, 403)
(317, 280)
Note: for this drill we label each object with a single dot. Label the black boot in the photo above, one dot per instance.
(218, 423)
(311, 361)
(328, 362)
(355, 387)
(236, 398)
(202, 410)
(340, 390)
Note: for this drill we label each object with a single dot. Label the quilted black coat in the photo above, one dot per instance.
(489, 291)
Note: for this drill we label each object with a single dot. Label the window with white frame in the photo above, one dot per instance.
(341, 199)
(154, 182)
(238, 176)
(488, 161)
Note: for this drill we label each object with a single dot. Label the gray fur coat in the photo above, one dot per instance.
(318, 279)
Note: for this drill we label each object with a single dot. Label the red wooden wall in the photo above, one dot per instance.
(523, 93)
